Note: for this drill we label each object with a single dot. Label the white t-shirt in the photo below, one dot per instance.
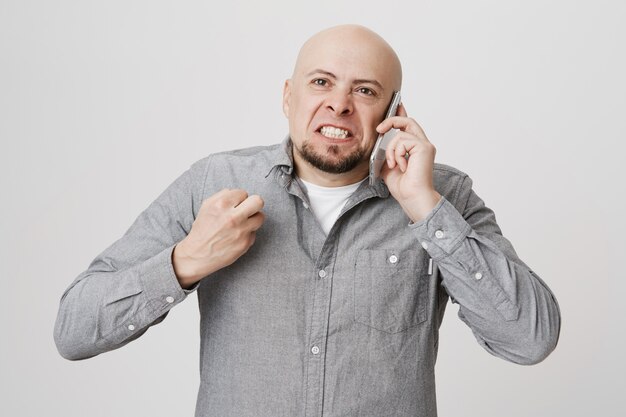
(327, 202)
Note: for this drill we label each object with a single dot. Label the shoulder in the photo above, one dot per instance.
(255, 151)
(448, 171)
(258, 154)
(450, 181)
(240, 168)
(253, 161)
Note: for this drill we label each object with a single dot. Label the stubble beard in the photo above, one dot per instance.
(330, 163)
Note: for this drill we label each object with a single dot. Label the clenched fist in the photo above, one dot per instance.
(224, 229)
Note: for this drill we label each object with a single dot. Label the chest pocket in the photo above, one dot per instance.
(390, 289)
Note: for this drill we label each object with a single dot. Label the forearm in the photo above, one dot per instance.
(511, 311)
(104, 309)
(131, 285)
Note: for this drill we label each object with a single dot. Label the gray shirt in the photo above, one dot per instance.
(306, 324)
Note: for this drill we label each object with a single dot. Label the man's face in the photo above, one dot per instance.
(338, 95)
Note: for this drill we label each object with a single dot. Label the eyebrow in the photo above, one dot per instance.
(359, 81)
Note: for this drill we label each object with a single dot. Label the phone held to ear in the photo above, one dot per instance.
(377, 159)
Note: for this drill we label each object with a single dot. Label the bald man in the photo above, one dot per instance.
(319, 294)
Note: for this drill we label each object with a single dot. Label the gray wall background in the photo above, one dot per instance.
(103, 104)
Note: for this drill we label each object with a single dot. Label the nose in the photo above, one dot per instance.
(340, 103)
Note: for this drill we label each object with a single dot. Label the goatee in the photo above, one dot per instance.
(329, 162)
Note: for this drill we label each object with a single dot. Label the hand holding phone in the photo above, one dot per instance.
(377, 159)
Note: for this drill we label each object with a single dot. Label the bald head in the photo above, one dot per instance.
(341, 86)
(355, 46)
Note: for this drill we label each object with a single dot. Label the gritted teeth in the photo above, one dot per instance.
(334, 132)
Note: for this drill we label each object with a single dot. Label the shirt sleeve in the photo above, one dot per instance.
(511, 311)
(131, 285)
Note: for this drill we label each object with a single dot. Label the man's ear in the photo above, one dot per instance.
(286, 97)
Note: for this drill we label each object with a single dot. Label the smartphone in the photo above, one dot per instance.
(377, 159)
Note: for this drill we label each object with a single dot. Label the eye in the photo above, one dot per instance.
(320, 81)
(366, 91)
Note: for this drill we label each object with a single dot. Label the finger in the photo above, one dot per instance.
(217, 196)
(224, 199)
(235, 197)
(391, 148)
(405, 124)
(250, 206)
(391, 161)
(399, 148)
(400, 155)
(255, 221)
(383, 127)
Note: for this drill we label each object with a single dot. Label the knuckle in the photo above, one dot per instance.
(240, 193)
(221, 193)
(232, 197)
(206, 203)
(222, 203)
(231, 220)
(219, 199)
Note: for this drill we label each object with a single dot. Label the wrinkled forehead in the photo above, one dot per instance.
(351, 56)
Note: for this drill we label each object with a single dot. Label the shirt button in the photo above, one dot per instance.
(425, 245)
(322, 273)
(131, 327)
(306, 206)
(478, 275)
(169, 299)
(393, 259)
(439, 234)
(315, 350)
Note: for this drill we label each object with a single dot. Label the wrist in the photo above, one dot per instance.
(184, 267)
(418, 207)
